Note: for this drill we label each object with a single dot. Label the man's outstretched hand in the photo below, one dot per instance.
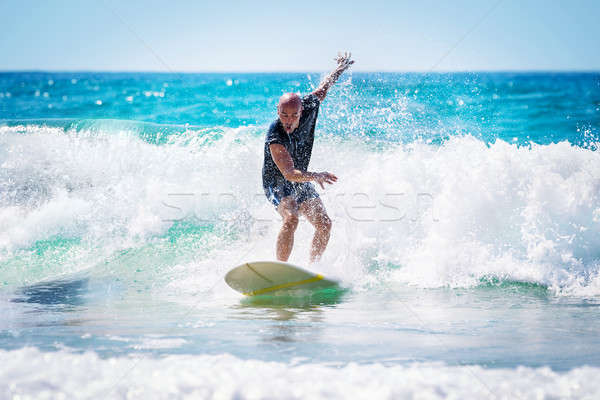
(324, 177)
(344, 60)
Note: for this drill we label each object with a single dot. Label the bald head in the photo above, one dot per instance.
(290, 100)
(289, 110)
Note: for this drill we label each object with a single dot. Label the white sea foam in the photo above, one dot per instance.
(419, 214)
(29, 373)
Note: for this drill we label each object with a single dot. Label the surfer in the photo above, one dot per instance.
(286, 179)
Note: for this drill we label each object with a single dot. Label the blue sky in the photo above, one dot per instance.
(135, 35)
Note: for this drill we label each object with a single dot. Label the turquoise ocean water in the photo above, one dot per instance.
(466, 234)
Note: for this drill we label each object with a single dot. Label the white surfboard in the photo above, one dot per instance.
(268, 277)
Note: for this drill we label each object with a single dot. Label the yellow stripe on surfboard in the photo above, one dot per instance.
(315, 278)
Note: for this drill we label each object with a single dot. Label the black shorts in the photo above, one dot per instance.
(300, 191)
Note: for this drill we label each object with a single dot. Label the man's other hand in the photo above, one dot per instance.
(325, 177)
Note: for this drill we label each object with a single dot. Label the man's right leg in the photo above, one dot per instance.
(288, 209)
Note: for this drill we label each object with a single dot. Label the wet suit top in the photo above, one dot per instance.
(299, 143)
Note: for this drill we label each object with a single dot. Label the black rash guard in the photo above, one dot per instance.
(299, 143)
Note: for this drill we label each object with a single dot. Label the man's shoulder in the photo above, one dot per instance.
(310, 101)
(274, 133)
(275, 127)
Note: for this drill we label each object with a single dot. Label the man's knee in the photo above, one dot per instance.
(324, 224)
(290, 221)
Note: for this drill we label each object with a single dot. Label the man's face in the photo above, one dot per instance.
(289, 115)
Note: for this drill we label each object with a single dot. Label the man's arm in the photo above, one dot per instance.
(284, 162)
(344, 62)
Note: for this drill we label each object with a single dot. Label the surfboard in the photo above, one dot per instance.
(270, 277)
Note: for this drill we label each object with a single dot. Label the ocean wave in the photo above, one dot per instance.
(430, 215)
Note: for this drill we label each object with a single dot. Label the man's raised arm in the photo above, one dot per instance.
(344, 61)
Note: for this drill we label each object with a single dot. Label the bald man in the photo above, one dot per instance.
(286, 179)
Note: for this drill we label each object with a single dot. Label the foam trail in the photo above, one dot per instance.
(50, 375)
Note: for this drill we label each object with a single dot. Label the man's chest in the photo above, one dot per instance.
(303, 135)
(298, 142)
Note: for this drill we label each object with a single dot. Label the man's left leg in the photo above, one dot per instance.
(314, 210)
